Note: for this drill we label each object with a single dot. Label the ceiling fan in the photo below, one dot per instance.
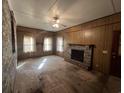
(56, 22)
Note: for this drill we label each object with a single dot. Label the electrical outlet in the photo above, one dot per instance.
(97, 65)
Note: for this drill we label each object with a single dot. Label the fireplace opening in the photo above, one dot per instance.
(77, 55)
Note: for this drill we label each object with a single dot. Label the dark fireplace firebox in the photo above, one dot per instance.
(77, 55)
(81, 55)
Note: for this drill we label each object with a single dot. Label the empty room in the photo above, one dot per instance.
(61, 46)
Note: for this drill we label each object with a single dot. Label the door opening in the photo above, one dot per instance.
(115, 68)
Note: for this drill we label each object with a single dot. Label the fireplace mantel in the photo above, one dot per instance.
(91, 45)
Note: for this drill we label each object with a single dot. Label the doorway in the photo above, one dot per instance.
(115, 68)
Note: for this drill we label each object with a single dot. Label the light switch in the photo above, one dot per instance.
(105, 52)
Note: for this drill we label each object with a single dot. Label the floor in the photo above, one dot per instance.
(51, 74)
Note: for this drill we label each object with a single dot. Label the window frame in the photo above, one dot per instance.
(50, 44)
(31, 44)
(60, 45)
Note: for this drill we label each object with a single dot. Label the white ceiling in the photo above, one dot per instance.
(38, 13)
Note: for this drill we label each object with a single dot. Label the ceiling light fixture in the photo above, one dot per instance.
(56, 25)
(57, 21)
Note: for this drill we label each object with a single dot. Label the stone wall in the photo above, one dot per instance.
(8, 57)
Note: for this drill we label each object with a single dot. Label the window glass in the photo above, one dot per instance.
(47, 44)
(60, 44)
(28, 44)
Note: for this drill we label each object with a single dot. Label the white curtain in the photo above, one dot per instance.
(60, 44)
(47, 44)
(29, 44)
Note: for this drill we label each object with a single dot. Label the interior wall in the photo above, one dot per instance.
(9, 58)
(97, 32)
(39, 36)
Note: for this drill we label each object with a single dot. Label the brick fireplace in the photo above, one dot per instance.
(81, 55)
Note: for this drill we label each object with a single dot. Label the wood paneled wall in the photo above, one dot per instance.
(97, 32)
(39, 38)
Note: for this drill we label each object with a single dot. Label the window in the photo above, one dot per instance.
(60, 44)
(47, 44)
(28, 44)
(13, 31)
